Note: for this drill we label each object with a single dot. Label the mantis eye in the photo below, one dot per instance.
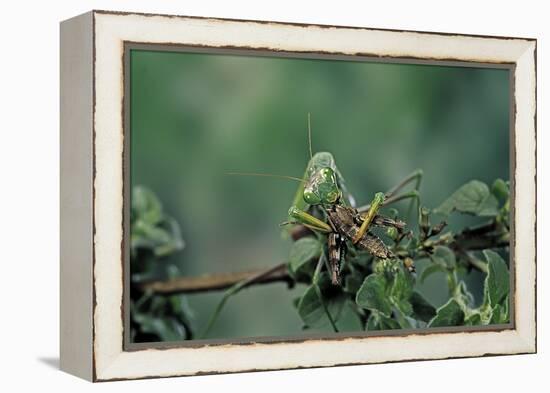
(328, 193)
(333, 196)
(311, 198)
(327, 173)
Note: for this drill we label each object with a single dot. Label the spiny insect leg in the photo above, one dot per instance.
(335, 251)
(374, 245)
(311, 227)
(383, 221)
(307, 219)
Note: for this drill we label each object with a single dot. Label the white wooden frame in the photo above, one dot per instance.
(92, 144)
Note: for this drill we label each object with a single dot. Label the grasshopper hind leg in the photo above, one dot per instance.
(335, 252)
(375, 246)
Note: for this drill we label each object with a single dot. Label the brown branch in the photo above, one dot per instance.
(470, 239)
(481, 237)
(218, 281)
(222, 281)
(481, 242)
(482, 229)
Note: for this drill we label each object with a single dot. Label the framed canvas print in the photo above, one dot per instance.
(244, 195)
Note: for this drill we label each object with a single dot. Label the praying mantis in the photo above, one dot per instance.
(324, 205)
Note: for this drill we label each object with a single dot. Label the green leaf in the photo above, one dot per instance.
(422, 309)
(168, 329)
(485, 314)
(373, 296)
(489, 207)
(349, 320)
(473, 320)
(401, 314)
(352, 283)
(158, 304)
(146, 205)
(303, 251)
(403, 283)
(165, 328)
(162, 238)
(506, 307)
(403, 306)
(450, 314)
(311, 310)
(152, 233)
(465, 296)
(310, 307)
(176, 242)
(380, 322)
(413, 244)
(500, 190)
(497, 282)
(386, 323)
(499, 315)
(428, 271)
(401, 290)
(372, 323)
(444, 256)
(473, 197)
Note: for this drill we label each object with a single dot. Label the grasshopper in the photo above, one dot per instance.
(324, 205)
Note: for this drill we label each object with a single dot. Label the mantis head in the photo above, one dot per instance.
(322, 188)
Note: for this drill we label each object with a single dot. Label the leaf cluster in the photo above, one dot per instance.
(154, 239)
(382, 294)
(376, 294)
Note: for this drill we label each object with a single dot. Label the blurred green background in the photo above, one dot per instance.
(196, 116)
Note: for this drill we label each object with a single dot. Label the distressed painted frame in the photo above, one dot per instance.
(93, 194)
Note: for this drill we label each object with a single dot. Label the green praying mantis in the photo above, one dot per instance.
(324, 205)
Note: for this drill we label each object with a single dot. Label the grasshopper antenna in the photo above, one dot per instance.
(309, 135)
(265, 175)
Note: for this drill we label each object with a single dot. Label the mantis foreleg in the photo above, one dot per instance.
(391, 195)
(309, 220)
(313, 228)
(414, 176)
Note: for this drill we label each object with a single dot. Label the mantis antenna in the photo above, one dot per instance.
(309, 135)
(281, 176)
(265, 175)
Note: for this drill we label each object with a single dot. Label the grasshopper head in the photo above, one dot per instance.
(322, 188)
